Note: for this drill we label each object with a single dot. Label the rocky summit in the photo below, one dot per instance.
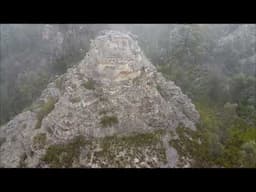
(113, 109)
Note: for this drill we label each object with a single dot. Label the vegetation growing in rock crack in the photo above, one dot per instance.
(59, 83)
(45, 109)
(90, 84)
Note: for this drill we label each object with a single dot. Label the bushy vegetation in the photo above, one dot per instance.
(142, 146)
(64, 155)
(90, 84)
(141, 139)
(108, 121)
(45, 109)
(59, 83)
(226, 140)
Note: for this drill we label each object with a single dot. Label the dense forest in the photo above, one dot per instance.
(214, 64)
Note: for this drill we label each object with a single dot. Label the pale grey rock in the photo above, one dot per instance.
(171, 153)
(115, 79)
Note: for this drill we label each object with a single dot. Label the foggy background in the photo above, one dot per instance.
(214, 64)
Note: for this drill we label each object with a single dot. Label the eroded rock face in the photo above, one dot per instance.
(114, 91)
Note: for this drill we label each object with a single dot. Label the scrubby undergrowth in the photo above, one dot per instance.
(137, 150)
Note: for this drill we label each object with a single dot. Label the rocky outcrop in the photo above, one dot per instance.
(115, 92)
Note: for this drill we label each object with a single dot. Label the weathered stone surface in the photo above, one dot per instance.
(115, 90)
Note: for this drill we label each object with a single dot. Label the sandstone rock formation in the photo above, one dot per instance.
(111, 110)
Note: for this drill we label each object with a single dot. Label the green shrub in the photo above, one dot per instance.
(63, 155)
(191, 148)
(223, 136)
(248, 154)
(137, 145)
(46, 108)
(108, 121)
(90, 84)
(59, 83)
(208, 116)
(138, 139)
(143, 139)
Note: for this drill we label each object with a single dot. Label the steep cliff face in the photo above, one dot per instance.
(111, 110)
